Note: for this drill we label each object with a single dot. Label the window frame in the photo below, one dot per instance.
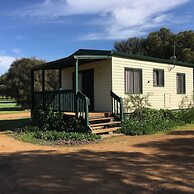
(141, 79)
(184, 90)
(159, 70)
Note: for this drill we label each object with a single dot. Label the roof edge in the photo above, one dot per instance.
(150, 59)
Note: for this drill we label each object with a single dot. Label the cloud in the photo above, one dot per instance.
(19, 37)
(5, 62)
(115, 19)
(17, 51)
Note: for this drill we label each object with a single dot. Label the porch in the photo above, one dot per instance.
(73, 101)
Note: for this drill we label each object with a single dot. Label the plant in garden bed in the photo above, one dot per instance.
(35, 133)
(148, 121)
(49, 120)
(136, 101)
(55, 127)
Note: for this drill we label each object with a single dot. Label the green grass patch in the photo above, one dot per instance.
(8, 106)
(187, 126)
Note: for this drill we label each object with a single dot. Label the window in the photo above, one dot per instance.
(181, 83)
(158, 78)
(133, 81)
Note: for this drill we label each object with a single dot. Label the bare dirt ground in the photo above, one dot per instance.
(15, 116)
(157, 164)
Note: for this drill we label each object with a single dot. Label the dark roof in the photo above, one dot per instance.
(95, 55)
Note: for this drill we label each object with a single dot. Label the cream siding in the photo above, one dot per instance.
(102, 82)
(159, 97)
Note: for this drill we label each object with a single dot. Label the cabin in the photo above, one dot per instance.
(94, 84)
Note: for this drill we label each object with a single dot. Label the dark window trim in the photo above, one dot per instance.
(132, 69)
(184, 83)
(163, 85)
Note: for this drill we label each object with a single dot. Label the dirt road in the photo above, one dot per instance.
(15, 116)
(120, 165)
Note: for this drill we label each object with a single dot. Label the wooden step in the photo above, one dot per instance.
(98, 114)
(100, 119)
(105, 124)
(105, 130)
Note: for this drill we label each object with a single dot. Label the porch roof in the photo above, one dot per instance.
(84, 56)
(88, 55)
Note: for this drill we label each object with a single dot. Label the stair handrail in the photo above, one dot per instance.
(117, 105)
(83, 108)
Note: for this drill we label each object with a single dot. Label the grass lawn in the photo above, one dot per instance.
(188, 126)
(9, 107)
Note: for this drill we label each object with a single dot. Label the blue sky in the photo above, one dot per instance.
(52, 29)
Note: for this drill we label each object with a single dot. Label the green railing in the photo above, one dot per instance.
(59, 100)
(117, 105)
(83, 103)
(64, 101)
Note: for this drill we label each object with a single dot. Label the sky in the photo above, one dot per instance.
(53, 29)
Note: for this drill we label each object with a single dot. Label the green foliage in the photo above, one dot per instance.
(131, 46)
(70, 136)
(33, 132)
(148, 121)
(160, 44)
(186, 115)
(136, 101)
(49, 120)
(18, 82)
(3, 91)
(55, 126)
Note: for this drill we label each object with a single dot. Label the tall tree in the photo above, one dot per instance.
(131, 46)
(17, 80)
(160, 44)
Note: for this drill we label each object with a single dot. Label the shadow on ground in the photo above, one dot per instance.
(13, 124)
(169, 170)
(11, 109)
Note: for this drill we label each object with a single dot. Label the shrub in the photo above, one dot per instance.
(148, 121)
(49, 120)
(30, 132)
(136, 101)
(70, 136)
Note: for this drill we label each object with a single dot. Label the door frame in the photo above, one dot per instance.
(91, 106)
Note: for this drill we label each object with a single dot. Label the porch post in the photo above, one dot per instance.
(76, 86)
(59, 90)
(60, 78)
(32, 92)
(43, 88)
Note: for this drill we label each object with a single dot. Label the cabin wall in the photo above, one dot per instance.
(102, 82)
(159, 97)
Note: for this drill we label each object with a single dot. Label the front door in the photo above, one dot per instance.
(86, 85)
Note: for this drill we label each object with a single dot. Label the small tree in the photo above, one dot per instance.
(134, 102)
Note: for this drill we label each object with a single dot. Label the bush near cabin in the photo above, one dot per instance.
(148, 121)
(55, 127)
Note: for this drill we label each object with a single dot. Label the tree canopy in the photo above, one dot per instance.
(160, 44)
(17, 80)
